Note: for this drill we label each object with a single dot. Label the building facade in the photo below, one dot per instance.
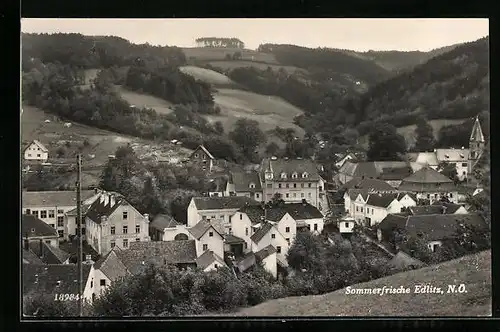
(36, 151)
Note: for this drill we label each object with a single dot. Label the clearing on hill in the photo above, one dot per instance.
(269, 111)
(207, 75)
(141, 100)
(214, 53)
(473, 271)
(408, 132)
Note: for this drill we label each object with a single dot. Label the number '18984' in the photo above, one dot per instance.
(67, 297)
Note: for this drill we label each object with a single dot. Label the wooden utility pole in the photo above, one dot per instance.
(80, 235)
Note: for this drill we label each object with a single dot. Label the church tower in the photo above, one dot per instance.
(476, 144)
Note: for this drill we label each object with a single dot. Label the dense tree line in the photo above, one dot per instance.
(171, 84)
(456, 136)
(89, 52)
(221, 42)
(325, 64)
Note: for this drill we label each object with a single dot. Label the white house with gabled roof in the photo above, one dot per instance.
(36, 151)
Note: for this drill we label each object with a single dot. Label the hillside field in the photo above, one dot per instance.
(145, 100)
(213, 54)
(225, 65)
(408, 132)
(474, 271)
(207, 75)
(269, 111)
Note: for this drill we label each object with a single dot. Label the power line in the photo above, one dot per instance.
(80, 235)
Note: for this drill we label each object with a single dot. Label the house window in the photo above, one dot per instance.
(245, 245)
(273, 236)
(125, 215)
(294, 175)
(47, 241)
(428, 195)
(357, 209)
(309, 195)
(29, 154)
(205, 247)
(230, 230)
(137, 228)
(288, 240)
(451, 195)
(53, 225)
(212, 217)
(137, 239)
(269, 186)
(257, 196)
(61, 233)
(196, 155)
(216, 266)
(464, 164)
(278, 249)
(295, 185)
(315, 227)
(112, 230)
(60, 221)
(83, 231)
(288, 185)
(211, 234)
(287, 229)
(43, 214)
(287, 195)
(91, 283)
(283, 175)
(346, 225)
(125, 229)
(246, 231)
(28, 211)
(241, 216)
(38, 155)
(294, 195)
(252, 185)
(51, 213)
(60, 211)
(361, 208)
(125, 243)
(102, 282)
(302, 195)
(279, 185)
(309, 185)
(305, 175)
(113, 244)
(35, 213)
(302, 185)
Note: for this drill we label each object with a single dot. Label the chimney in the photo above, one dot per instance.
(96, 191)
(40, 253)
(444, 209)
(203, 217)
(146, 216)
(101, 198)
(88, 258)
(106, 199)
(304, 202)
(112, 200)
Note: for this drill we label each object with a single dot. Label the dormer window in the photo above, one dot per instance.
(447, 156)
(283, 175)
(305, 175)
(462, 156)
(251, 185)
(294, 175)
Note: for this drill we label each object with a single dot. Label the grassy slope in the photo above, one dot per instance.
(225, 65)
(408, 132)
(214, 54)
(474, 271)
(145, 100)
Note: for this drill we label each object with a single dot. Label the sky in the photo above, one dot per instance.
(353, 34)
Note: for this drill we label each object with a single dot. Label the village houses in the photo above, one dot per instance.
(245, 183)
(51, 207)
(111, 221)
(203, 157)
(36, 151)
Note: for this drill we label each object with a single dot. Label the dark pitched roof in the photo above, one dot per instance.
(163, 221)
(53, 255)
(140, 254)
(111, 265)
(223, 203)
(202, 227)
(218, 183)
(381, 200)
(448, 208)
(43, 279)
(32, 226)
(426, 209)
(261, 232)
(427, 175)
(368, 184)
(242, 181)
(231, 239)
(353, 193)
(399, 173)
(246, 262)
(207, 258)
(85, 208)
(290, 166)
(298, 211)
(265, 252)
(393, 221)
(29, 257)
(99, 209)
(440, 226)
(201, 147)
(53, 198)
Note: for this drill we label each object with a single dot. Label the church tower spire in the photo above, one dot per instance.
(476, 144)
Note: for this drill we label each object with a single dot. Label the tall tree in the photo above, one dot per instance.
(248, 136)
(385, 143)
(425, 135)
